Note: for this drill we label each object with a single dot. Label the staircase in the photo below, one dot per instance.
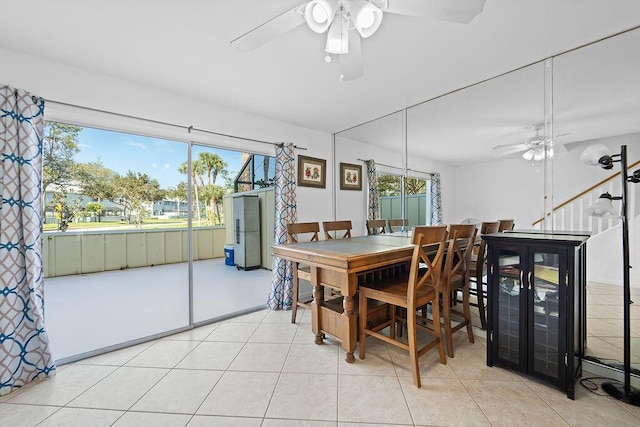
(604, 253)
(570, 215)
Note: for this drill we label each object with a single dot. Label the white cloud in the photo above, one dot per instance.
(167, 146)
(166, 165)
(137, 144)
(154, 165)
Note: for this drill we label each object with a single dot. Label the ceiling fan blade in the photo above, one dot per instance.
(511, 147)
(271, 29)
(460, 11)
(351, 63)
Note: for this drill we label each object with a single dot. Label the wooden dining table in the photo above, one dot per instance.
(336, 264)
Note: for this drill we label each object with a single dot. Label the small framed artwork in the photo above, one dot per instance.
(350, 177)
(312, 172)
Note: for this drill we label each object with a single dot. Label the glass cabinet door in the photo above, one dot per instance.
(544, 282)
(509, 290)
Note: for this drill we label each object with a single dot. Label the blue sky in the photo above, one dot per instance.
(157, 158)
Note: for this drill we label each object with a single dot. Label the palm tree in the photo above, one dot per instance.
(212, 165)
(184, 169)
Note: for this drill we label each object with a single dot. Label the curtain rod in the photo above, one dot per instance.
(396, 167)
(189, 129)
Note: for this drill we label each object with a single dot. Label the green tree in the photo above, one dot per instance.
(205, 171)
(96, 181)
(213, 193)
(66, 207)
(389, 185)
(211, 165)
(184, 169)
(135, 190)
(94, 208)
(59, 145)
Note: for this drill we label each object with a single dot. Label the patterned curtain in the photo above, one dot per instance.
(436, 200)
(24, 345)
(281, 295)
(374, 206)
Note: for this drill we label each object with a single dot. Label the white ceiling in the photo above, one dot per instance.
(183, 47)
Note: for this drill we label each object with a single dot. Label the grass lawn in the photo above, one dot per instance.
(146, 224)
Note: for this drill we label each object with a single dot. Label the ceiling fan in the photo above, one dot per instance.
(346, 21)
(535, 148)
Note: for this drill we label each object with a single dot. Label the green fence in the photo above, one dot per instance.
(418, 210)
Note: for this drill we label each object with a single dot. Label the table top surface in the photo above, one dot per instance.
(354, 246)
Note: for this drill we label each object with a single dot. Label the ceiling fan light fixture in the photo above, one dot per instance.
(528, 155)
(319, 14)
(338, 36)
(538, 153)
(366, 17)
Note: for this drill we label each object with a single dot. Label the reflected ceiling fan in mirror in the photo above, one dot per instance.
(347, 21)
(534, 149)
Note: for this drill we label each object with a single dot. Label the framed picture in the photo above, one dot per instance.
(350, 177)
(312, 172)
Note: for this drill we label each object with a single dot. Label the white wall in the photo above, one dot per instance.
(65, 84)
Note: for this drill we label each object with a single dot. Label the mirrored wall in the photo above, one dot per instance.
(509, 147)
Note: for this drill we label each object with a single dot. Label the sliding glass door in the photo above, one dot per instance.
(134, 238)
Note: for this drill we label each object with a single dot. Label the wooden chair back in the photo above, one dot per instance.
(461, 241)
(337, 226)
(485, 228)
(505, 224)
(397, 223)
(308, 229)
(478, 268)
(455, 276)
(427, 240)
(376, 226)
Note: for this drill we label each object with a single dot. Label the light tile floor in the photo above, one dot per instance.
(261, 370)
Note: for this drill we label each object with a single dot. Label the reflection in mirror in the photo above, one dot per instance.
(481, 137)
(379, 140)
(416, 203)
(597, 100)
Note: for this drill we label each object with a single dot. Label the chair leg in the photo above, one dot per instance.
(446, 308)
(481, 308)
(362, 320)
(396, 326)
(467, 312)
(413, 346)
(435, 313)
(294, 305)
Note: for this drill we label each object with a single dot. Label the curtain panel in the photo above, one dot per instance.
(281, 295)
(373, 211)
(24, 345)
(436, 200)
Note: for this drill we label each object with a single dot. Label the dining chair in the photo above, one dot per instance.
(336, 226)
(455, 278)
(505, 225)
(397, 223)
(410, 291)
(309, 231)
(376, 226)
(478, 271)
